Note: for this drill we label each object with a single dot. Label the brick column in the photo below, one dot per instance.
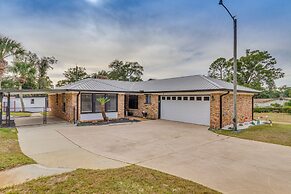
(120, 105)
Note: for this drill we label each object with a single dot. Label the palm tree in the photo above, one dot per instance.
(22, 71)
(43, 66)
(8, 48)
(103, 101)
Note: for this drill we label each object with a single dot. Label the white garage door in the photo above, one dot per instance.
(189, 109)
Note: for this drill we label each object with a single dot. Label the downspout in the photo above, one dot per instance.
(220, 114)
(77, 116)
(159, 111)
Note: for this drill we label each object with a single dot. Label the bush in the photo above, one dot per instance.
(276, 105)
(288, 103)
(286, 109)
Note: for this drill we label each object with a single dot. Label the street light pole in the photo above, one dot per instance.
(234, 65)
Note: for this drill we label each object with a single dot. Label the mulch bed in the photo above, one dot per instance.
(115, 121)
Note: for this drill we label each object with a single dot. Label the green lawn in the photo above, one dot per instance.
(277, 134)
(131, 179)
(19, 114)
(275, 117)
(10, 153)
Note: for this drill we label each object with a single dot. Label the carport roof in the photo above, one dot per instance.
(178, 84)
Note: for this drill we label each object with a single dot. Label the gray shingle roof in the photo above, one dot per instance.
(187, 83)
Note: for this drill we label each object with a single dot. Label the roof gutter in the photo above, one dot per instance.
(220, 109)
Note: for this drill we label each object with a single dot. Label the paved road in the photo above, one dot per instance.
(226, 164)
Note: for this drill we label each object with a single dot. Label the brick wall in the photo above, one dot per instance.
(152, 109)
(215, 111)
(56, 106)
(244, 109)
(71, 106)
(120, 105)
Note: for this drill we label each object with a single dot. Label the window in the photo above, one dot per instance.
(86, 103)
(163, 98)
(168, 98)
(185, 98)
(206, 98)
(179, 98)
(148, 99)
(96, 103)
(199, 98)
(174, 98)
(192, 98)
(133, 102)
(32, 101)
(111, 106)
(64, 102)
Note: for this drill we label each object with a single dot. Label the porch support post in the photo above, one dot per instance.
(45, 112)
(1, 108)
(8, 117)
(78, 107)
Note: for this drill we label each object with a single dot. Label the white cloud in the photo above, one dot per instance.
(165, 48)
(95, 2)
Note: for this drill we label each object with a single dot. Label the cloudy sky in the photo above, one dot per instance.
(169, 38)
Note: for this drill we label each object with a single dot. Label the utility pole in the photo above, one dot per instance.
(234, 65)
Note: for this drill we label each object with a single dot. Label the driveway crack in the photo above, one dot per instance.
(194, 148)
(89, 150)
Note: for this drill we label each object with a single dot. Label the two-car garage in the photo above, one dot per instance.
(189, 109)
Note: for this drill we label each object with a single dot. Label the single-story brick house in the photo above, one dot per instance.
(194, 99)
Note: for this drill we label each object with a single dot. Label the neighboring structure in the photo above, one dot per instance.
(193, 99)
(31, 103)
(261, 103)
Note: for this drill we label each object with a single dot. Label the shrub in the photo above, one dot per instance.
(276, 105)
(286, 109)
(288, 103)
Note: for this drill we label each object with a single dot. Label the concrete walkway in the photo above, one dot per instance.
(229, 165)
(24, 173)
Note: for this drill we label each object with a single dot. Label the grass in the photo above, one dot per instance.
(276, 134)
(10, 153)
(130, 179)
(275, 117)
(19, 114)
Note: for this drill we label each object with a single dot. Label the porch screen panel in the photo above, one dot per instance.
(111, 106)
(86, 103)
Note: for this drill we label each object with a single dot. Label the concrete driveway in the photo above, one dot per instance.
(190, 151)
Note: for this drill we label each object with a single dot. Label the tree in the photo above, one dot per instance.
(23, 71)
(44, 64)
(220, 69)
(268, 94)
(8, 48)
(72, 75)
(128, 71)
(9, 82)
(286, 91)
(103, 101)
(100, 75)
(256, 70)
